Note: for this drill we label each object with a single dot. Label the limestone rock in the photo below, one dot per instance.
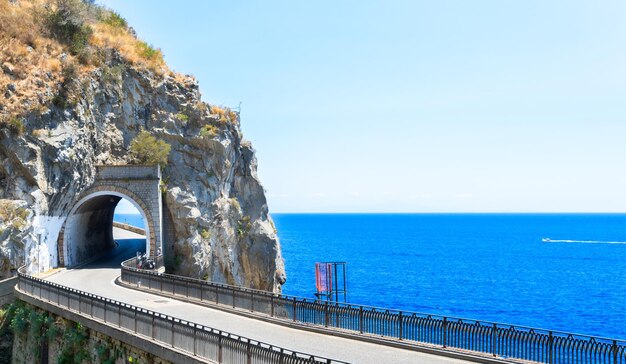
(214, 201)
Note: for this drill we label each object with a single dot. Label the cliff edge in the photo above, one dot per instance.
(76, 87)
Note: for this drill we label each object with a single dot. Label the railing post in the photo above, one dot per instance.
(294, 309)
(614, 347)
(217, 296)
(444, 327)
(153, 334)
(361, 319)
(201, 292)
(187, 285)
(248, 353)
(550, 348)
(272, 304)
(135, 321)
(233, 292)
(195, 335)
(219, 349)
(400, 325)
(251, 301)
(172, 332)
(326, 313)
(494, 339)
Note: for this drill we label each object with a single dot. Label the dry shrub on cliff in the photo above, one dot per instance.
(224, 114)
(146, 149)
(18, 22)
(12, 215)
(112, 32)
(208, 131)
(28, 59)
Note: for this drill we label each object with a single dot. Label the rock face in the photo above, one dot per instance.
(214, 204)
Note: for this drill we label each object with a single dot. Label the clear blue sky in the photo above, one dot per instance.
(414, 106)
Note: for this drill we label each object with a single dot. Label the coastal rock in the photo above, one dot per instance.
(214, 201)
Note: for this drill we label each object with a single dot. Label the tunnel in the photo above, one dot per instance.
(88, 231)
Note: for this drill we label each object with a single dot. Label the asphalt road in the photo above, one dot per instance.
(99, 277)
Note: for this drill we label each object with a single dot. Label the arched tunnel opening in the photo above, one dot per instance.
(90, 233)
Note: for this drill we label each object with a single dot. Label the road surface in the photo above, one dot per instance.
(99, 277)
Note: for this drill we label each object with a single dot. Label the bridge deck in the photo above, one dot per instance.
(98, 278)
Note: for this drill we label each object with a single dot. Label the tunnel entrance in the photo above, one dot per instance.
(89, 232)
(88, 229)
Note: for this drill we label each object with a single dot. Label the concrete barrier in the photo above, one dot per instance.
(7, 290)
(131, 228)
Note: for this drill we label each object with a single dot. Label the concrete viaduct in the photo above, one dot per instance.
(190, 320)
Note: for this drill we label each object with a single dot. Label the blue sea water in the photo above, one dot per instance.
(131, 219)
(492, 267)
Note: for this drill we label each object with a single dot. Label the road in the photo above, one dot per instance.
(99, 277)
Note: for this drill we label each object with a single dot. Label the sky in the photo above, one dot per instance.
(413, 106)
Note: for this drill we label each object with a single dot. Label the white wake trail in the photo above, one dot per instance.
(547, 240)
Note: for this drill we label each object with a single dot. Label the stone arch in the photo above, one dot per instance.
(100, 198)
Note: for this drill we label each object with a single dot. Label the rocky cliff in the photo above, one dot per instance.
(65, 109)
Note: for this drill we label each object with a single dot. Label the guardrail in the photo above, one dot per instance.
(131, 228)
(506, 341)
(6, 290)
(197, 340)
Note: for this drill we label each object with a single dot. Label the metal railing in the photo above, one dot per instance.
(511, 342)
(194, 339)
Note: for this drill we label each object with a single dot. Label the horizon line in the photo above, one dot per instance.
(436, 212)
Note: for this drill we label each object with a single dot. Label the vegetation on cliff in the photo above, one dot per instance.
(38, 335)
(50, 44)
(78, 89)
(146, 149)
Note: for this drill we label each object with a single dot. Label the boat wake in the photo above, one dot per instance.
(547, 240)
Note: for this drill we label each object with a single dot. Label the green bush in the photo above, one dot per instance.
(146, 149)
(244, 225)
(69, 72)
(209, 131)
(114, 74)
(42, 326)
(67, 24)
(19, 319)
(115, 20)
(182, 117)
(147, 51)
(59, 101)
(16, 126)
(74, 345)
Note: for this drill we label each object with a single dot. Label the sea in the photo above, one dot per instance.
(131, 219)
(562, 272)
